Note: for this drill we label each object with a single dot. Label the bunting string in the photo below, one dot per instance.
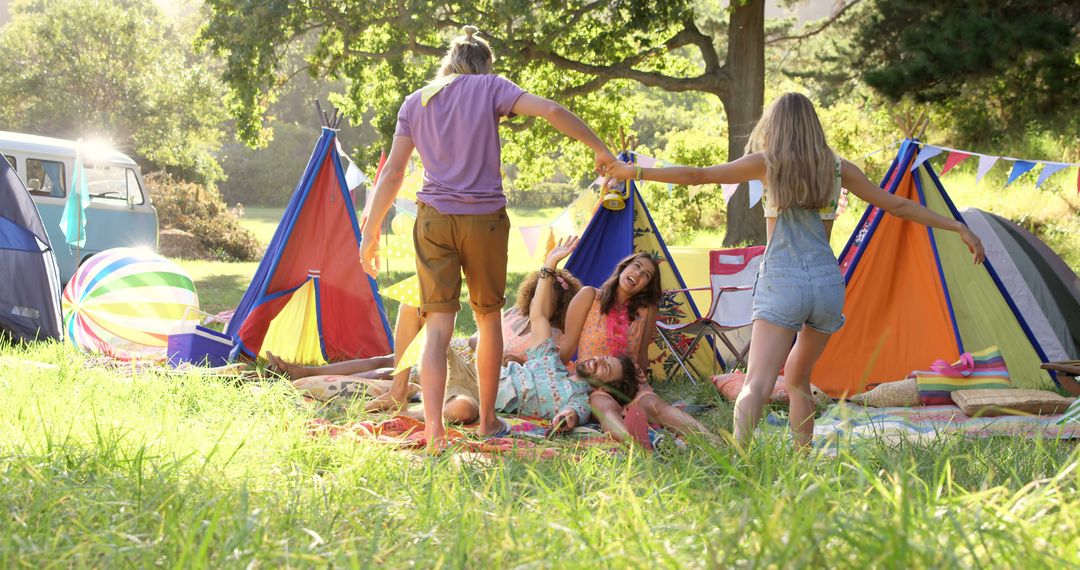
(1020, 166)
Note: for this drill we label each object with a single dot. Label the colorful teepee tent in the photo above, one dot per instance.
(612, 235)
(311, 301)
(914, 296)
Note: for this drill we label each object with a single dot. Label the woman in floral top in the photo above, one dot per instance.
(620, 317)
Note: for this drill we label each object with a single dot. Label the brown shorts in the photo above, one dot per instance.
(449, 244)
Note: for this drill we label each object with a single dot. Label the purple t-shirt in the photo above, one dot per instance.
(457, 136)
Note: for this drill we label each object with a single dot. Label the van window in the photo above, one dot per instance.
(45, 178)
(133, 187)
(111, 182)
(11, 161)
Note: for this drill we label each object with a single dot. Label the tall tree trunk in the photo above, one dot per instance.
(746, 67)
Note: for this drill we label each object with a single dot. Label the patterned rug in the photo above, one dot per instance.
(844, 424)
(527, 437)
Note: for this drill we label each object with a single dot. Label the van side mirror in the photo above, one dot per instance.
(131, 201)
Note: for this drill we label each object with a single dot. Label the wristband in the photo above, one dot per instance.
(545, 272)
(637, 177)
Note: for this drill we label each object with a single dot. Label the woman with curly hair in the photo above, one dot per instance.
(620, 318)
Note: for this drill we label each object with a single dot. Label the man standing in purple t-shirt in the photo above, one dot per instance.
(461, 223)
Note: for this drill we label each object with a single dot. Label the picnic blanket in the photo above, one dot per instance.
(844, 424)
(526, 440)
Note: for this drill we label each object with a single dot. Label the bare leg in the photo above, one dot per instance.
(668, 416)
(769, 347)
(489, 354)
(608, 411)
(440, 327)
(808, 348)
(347, 368)
(405, 331)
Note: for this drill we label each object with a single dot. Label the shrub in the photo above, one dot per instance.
(201, 211)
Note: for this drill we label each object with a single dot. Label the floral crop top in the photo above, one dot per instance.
(827, 213)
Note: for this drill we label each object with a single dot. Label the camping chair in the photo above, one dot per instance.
(731, 277)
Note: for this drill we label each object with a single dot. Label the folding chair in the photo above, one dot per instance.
(731, 277)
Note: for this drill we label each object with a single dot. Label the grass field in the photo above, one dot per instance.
(121, 468)
(130, 467)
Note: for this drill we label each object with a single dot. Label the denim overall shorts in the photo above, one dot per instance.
(799, 280)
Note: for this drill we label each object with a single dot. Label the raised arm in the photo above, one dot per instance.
(749, 167)
(576, 314)
(386, 190)
(566, 123)
(858, 184)
(540, 306)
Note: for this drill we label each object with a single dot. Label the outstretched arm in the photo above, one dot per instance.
(566, 123)
(540, 307)
(858, 184)
(749, 167)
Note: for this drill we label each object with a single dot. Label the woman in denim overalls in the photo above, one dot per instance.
(799, 287)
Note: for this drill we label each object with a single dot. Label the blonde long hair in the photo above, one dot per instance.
(468, 55)
(798, 161)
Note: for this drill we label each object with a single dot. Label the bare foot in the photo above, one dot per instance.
(293, 371)
(386, 402)
(436, 438)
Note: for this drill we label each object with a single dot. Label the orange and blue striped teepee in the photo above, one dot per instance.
(914, 296)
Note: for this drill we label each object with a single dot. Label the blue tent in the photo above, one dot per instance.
(614, 234)
(310, 300)
(30, 290)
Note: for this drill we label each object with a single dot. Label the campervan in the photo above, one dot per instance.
(119, 214)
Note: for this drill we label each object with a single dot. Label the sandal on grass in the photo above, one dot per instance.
(503, 431)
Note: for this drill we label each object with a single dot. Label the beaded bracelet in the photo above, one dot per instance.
(545, 272)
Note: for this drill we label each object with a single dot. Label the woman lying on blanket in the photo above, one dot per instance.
(542, 386)
(515, 331)
(618, 318)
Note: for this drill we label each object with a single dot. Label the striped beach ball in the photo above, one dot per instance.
(125, 302)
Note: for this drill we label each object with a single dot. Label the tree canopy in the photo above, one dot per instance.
(997, 64)
(116, 69)
(580, 52)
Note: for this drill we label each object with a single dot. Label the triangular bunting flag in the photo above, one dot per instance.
(564, 224)
(1019, 168)
(406, 291)
(412, 354)
(985, 164)
(729, 191)
(756, 190)
(955, 157)
(531, 236)
(353, 175)
(1049, 168)
(645, 161)
(925, 154)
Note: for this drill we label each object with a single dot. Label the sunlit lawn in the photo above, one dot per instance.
(135, 468)
(126, 468)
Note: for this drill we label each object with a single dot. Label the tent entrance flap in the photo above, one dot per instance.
(294, 333)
